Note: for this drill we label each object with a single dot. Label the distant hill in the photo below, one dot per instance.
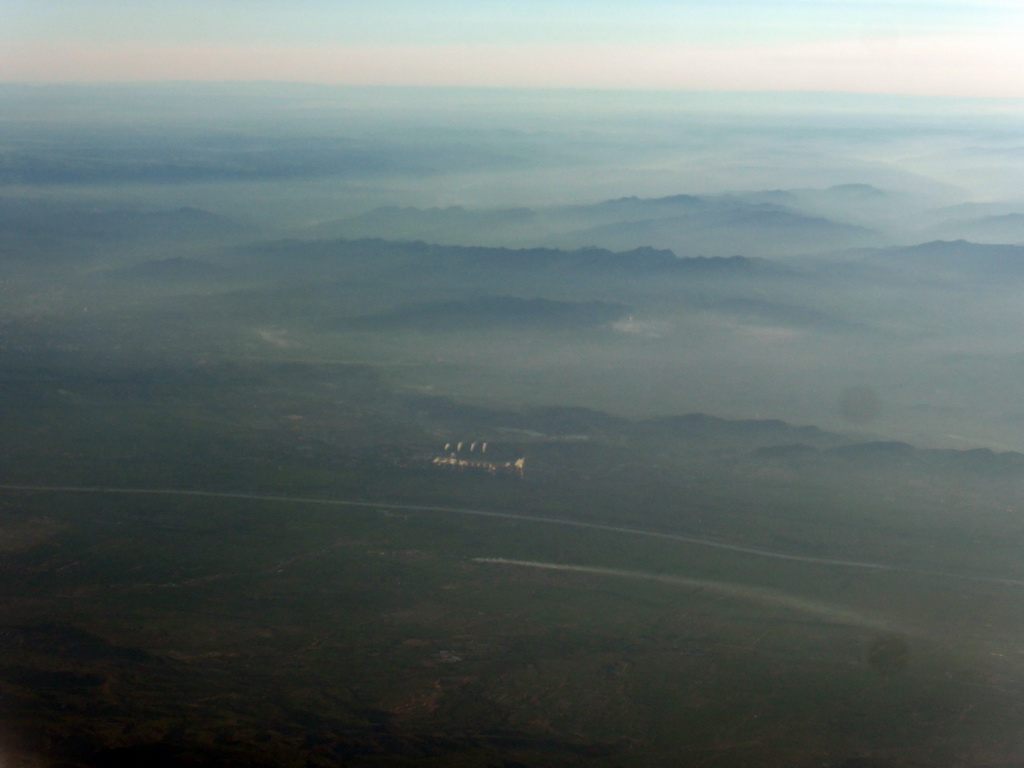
(855, 191)
(631, 208)
(751, 432)
(956, 258)
(722, 227)
(493, 312)
(1000, 228)
(765, 442)
(452, 225)
(896, 456)
(754, 224)
(333, 257)
(37, 229)
(54, 218)
(381, 284)
(701, 429)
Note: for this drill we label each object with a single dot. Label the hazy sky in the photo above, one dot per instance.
(891, 46)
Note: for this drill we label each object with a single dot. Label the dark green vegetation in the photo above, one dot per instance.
(197, 630)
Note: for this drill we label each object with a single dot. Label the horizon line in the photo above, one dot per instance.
(455, 87)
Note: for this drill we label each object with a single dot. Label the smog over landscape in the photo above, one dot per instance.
(402, 399)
